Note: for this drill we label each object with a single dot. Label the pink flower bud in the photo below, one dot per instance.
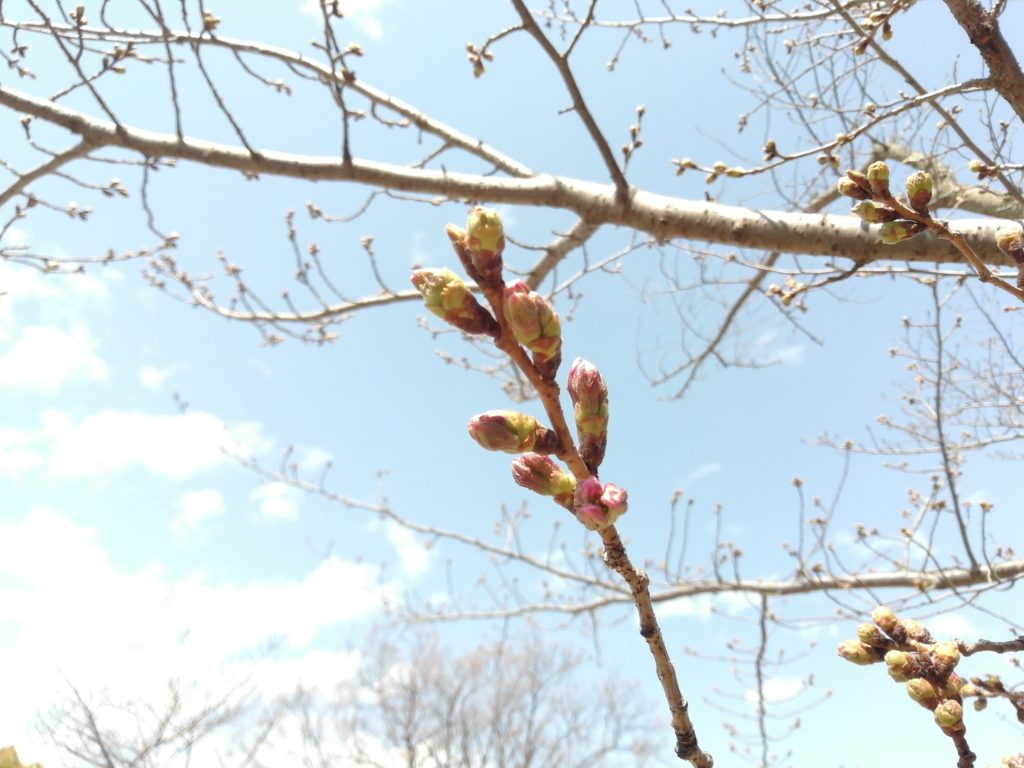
(541, 475)
(533, 320)
(589, 395)
(598, 506)
(506, 431)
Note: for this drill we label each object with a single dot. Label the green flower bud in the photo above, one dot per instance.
(851, 188)
(901, 666)
(945, 656)
(856, 652)
(1010, 241)
(541, 475)
(893, 232)
(446, 296)
(874, 213)
(884, 618)
(869, 634)
(860, 180)
(922, 692)
(589, 394)
(878, 179)
(508, 431)
(919, 191)
(916, 631)
(484, 230)
(949, 713)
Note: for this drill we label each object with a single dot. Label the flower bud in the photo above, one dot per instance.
(860, 180)
(874, 213)
(869, 634)
(446, 296)
(901, 666)
(856, 652)
(534, 323)
(508, 431)
(949, 713)
(598, 506)
(922, 692)
(945, 656)
(485, 240)
(541, 475)
(1010, 241)
(851, 188)
(589, 394)
(884, 618)
(878, 179)
(893, 232)
(919, 191)
(916, 631)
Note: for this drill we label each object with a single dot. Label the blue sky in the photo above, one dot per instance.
(134, 548)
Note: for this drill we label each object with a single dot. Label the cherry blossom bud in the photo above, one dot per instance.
(878, 179)
(1010, 241)
(893, 232)
(542, 475)
(945, 656)
(869, 634)
(884, 618)
(535, 325)
(860, 180)
(485, 239)
(856, 652)
(923, 692)
(949, 714)
(598, 506)
(874, 213)
(509, 431)
(919, 191)
(916, 631)
(902, 666)
(446, 296)
(589, 394)
(851, 188)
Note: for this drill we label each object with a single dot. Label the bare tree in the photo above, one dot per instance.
(863, 120)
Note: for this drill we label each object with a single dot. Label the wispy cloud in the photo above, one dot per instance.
(195, 507)
(175, 445)
(710, 468)
(276, 501)
(45, 358)
(362, 13)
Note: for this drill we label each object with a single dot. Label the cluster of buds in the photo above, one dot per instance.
(913, 657)
(877, 205)
(589, 395)
(446, 296)
(523, 314)
(598, 505)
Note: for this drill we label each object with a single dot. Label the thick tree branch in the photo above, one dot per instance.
(663, 217)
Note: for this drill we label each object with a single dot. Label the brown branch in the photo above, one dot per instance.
(992, 646)
(661, 216)
(982, 28)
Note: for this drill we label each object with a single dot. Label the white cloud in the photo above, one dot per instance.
(363, 13)
(704, 470)
(45, 357)
(175, 445)
(196, 506)
(67, 613)
(413, 556)
(778, 690)
(62, 296)
(152, 378)
(276, 501)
